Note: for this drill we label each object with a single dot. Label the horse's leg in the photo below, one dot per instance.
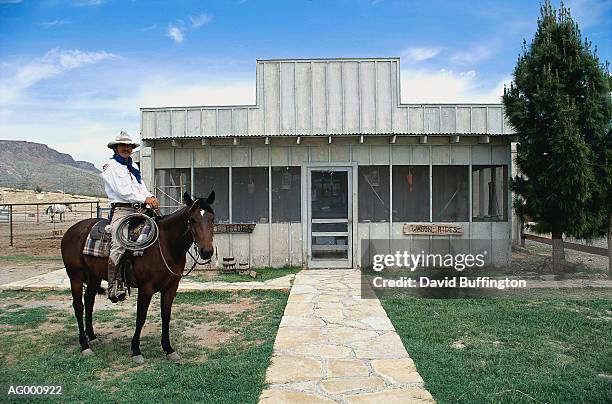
(93, 285)
(144, 298)
(167, 297)
(76, 287)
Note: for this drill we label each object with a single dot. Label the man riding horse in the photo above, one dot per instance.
(127, 194)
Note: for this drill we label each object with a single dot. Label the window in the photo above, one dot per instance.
(286, 194)
(450, 193)
(217, 179)
(170, 184)
(411, 193)
(250, 195)
(489, 193)
(373, 193)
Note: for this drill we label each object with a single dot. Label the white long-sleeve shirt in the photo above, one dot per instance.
(121, 186)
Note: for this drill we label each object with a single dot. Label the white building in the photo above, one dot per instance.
(329, 156)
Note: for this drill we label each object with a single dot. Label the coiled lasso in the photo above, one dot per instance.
(125, 241)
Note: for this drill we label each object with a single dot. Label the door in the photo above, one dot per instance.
(330, 217)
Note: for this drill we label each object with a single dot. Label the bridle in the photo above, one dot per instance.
(195, 245)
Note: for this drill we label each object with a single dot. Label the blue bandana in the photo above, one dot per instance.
(135, 172)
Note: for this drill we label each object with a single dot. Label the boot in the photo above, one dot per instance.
(116, 291)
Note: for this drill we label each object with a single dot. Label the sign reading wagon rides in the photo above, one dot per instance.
(329, 156)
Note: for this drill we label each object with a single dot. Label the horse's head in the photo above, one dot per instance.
(69, 207)
(200, 221)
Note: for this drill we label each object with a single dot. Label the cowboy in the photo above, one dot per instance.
(127, 194)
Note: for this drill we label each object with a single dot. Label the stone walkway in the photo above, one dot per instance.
(58, 280)
(333, 346)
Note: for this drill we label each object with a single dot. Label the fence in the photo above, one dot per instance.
(30, 224)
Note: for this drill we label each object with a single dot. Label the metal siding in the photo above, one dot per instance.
(500, 154)
(163, 158)
(501, 243)
(432, 120)
(259, 156)
(260, 246)
(280, 156)
(494, 120)
(319, 153)
(379, 155)
(334, 97)
(303, 88)
(447, 120)
(239, 121)
(440, 154)
(299, 154)
(481, 154)
(367, 77)
(463, 120)
(415, 119)
(255, 121)
(271, 98)
(209, 122)
(163, 124)
(148, 125)
(340, 153)
(460, 155)
(280, 246)
(240, 156)
(363, 233)
(194, 116)
(383, 97)
(296, 244)
(287, 98)
(178, 123)
(221, 242)
(361, 154)
(224, 122)
(350, 82)
(400, 120)
(401, 155)
(201, 157)
(240, 247)
(220, 157)
(420, 155)
(479, 120)
(182, 158)
(319, 101)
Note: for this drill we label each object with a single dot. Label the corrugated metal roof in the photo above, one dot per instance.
(320, 97)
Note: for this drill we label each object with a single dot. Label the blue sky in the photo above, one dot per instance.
(73, 73)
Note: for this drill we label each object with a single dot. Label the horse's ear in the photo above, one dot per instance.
(187, 199)
(211, 198)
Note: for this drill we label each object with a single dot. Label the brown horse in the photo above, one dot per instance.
(158, 270)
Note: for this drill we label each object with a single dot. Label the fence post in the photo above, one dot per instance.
(11, 224)
(97, 208)
(90, 210)
(37, 220)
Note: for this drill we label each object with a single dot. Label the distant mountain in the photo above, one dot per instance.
(29, 165)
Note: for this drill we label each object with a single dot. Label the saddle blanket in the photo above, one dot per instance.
(101, 248)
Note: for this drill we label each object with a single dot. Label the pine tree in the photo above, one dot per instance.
(560, 105)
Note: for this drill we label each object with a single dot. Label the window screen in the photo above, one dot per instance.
(170, 184)
(217, 179)
(286, 194)
(373, 193)
(450, 197)
(489, 193)
(411, 193)
(250, 195)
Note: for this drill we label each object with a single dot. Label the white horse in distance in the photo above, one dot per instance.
(58, 208)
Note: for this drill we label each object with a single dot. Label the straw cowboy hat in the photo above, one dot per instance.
(123, 138)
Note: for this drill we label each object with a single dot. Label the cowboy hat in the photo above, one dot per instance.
(123, 138)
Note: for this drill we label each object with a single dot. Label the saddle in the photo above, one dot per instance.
(99, 230)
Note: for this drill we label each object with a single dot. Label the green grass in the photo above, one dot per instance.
(233, 371)
(266, 274)
(553, 350)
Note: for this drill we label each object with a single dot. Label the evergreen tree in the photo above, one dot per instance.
(559, 103)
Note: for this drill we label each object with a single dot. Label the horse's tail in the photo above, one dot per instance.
(47, 210)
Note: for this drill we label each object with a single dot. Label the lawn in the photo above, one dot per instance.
(265, 274)
(225, 340)
(549, 349)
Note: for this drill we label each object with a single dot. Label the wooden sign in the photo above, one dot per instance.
(234, 228)
(433, 229)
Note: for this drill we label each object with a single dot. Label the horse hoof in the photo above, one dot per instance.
(173, 357)
(138, 359)
(87, 352)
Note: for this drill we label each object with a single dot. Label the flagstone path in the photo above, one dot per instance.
(334, 346)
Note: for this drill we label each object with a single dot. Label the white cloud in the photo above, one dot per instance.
(420, 54)
(52, 64)
(10, 1)
(199, 20)
(589, 12)
(472, 56)
(447, 86)
(175, 33)
(54, 23)
(86, 3)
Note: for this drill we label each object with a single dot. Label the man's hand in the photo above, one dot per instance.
(152, 202)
